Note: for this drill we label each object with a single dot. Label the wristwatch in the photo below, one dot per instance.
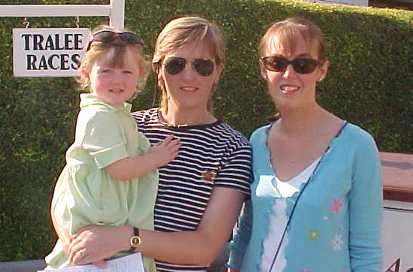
(135, 240)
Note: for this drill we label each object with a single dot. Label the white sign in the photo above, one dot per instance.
(129, 263)
(48, 52)
(398, 236)
(364, 3)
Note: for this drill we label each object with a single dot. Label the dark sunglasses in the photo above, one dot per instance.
(280, 64)
(108, 36)
(175, 65)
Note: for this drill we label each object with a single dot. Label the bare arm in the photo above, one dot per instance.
(63, 234)
(199, 247)
(137, 166)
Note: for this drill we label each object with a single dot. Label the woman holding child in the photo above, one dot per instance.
(201, 191)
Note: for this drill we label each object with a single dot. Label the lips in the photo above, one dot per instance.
(188, 89)
(289, 89)
(116, 91)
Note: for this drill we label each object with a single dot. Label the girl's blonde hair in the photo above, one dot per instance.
(287, 32)
(115, 52)
(180, 32)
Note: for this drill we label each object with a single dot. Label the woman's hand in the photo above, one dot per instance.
(93, 244)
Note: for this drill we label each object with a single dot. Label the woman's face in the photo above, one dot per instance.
(187, 89)
(288, 88)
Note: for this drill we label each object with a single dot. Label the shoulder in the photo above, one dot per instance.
(357, 145)
(260, 134)
(225, 133)
(358, 137)
(142, 115)
(98, 114)
(146, 118)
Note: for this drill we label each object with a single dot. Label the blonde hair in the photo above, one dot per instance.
(116, 53)
(287, 32)
(181, 31)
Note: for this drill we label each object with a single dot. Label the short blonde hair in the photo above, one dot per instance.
(185, 30)
(288, 30)
(116, 52)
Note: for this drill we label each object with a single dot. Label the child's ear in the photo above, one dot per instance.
(84, 73)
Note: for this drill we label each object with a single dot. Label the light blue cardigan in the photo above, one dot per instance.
(336, 226)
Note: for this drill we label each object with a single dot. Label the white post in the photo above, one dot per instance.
(117, 13)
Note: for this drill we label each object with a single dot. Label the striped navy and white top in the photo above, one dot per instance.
(210, 155)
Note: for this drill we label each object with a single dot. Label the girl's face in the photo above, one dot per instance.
(114, 85)
(289, 88)
(186, 88)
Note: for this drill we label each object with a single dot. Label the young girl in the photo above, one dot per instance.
(110, 177)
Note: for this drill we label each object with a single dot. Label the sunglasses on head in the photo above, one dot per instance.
(175, 65)
(280, 64)
(108, 36)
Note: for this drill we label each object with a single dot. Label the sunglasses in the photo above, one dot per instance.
(280, 64)
(175, 65)
(108, 36)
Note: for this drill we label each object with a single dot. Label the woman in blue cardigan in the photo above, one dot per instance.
(316, 198)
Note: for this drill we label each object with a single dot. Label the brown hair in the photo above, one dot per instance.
(288, 30)
(116, 53)
(181, 31)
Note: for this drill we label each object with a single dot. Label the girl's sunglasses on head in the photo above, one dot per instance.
(280, 64)
(108, 36)
(175, 65)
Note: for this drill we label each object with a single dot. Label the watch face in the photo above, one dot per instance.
(135, 241)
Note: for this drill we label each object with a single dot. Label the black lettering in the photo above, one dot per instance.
(75, 61)
(31, 62)
(57, 42)
(78, 41)
(50, 62)
(37, 42)
(43, 63)
(68, 41)
(26, 38)
(410, 269)
(394, 267)
(64, 62)
(49, 43)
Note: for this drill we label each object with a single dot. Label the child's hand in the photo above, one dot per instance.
(166, 151)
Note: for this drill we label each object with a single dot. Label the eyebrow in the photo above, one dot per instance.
(303, 55)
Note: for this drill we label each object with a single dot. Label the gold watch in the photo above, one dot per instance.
(135, 240)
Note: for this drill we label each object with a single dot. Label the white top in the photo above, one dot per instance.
(279, 217)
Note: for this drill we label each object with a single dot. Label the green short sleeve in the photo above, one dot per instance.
(104, 138)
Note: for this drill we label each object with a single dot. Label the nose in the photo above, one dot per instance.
(117, 78)
(289, 71)
(188, 72)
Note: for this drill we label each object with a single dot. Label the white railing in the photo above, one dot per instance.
(115, 11)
